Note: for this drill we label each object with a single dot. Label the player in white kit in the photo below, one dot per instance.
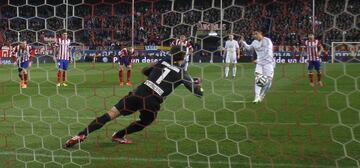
(265, 62)
(232, 53)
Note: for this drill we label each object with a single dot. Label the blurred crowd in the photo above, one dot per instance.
(287, 23)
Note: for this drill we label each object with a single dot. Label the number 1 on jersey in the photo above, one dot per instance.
(163, 75)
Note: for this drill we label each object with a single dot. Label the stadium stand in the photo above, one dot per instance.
(99, 24)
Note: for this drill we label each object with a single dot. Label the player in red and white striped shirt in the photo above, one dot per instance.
(182, 41)
(22, 57)
(125, 58)
(313, 52)
(63, 57)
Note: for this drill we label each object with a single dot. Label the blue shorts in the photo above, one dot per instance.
(24, 65)
(63, 64)
(125, 61)
(314, 65)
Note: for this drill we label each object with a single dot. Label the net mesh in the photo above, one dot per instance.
(296, 126)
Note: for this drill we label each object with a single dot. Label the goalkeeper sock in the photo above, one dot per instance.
(120, 75)
(318, 76)
(133, 127)
(128, 75)
(311, 77)
(96, 124)
(226, 71)
(234, 70)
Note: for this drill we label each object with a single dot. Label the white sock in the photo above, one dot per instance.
(226, 71)
(234, 70)
(257, 91)
(266, 88)
(186, 66)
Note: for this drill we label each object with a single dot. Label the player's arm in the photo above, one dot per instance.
(238, 49)
(14, 57)
(54, 44)
(321, 49)
(122, 53)
(225, 48)
(246, 46)
(191, 49)
(55, 47)
(70, 54)
(192, 84)
(14, 54)
(31, 55)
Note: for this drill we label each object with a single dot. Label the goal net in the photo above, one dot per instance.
(295, 126)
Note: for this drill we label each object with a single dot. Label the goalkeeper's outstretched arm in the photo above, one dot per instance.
(192, 84)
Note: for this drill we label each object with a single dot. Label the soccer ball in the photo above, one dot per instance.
(261, 80)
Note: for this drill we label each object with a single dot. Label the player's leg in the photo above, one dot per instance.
(25, 66)
(64, 73)
(126, 106)
(128, 73)
(268, 71)
(234, 62)
(60, 77)
(26, 77)
(60, 73)
(96, 124)
(311, 75)
(21, 76)
(317, 65)
(258, 71)
(121, 68)
(99, 122)
(147, 116)
(186, 63)
(227, 66)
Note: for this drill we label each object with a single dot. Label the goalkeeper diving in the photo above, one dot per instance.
(265, 63)
(163, 77)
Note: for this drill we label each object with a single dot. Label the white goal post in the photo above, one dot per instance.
(348, 49)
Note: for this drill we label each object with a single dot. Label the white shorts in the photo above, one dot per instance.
(230, 58)
(267, 69)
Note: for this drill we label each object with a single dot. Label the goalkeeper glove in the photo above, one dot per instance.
(199, 90)
(197, 81)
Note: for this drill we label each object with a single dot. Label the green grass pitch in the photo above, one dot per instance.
(296, 125)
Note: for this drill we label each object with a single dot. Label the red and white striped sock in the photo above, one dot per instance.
(128, 75)
(311, 77)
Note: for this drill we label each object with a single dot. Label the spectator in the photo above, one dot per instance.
(286, 23)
